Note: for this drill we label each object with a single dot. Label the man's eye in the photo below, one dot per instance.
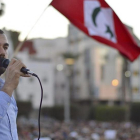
(5, 48)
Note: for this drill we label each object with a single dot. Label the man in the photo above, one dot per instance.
(8, 107)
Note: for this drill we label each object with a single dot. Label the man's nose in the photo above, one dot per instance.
(2, 51)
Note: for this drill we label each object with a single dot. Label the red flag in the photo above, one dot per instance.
(99, 21)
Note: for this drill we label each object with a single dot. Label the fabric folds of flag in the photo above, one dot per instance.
(96, 19)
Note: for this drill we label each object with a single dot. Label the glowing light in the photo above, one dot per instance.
(127, 74)
(115, 82)
(69, 61)
(59, 67)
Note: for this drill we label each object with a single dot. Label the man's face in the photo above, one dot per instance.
(3, 50)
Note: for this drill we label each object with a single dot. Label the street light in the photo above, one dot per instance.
(115, 82)
(69, 61)
(59, 67)
(127, 74)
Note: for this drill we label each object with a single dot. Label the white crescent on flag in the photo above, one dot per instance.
(99, 21)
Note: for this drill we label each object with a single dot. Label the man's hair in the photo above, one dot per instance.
(1, 32)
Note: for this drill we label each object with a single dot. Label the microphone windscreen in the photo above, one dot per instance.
(4, 62)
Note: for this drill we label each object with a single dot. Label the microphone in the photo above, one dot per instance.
(5, 62)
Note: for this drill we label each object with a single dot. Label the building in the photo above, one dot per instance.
(134, 72)
(44, 57)
(105, 76)
(97, 66)
(29, 88)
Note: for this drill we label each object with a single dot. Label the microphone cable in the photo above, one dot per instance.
(33, 74)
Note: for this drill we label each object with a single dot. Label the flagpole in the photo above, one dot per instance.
(22, 42)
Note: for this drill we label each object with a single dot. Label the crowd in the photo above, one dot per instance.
(77, 130)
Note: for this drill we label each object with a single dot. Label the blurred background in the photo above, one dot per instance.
(91, 92)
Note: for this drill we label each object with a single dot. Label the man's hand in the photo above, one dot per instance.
(12, 76)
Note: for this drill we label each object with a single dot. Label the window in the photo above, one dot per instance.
(44, 79)
(77, 88)
(135, 89)
(77, 72)
(45, 96)
(63, 86)
(102, 72)
(135, 73)
(31, 79)
(30, 97)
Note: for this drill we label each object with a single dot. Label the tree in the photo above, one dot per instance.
(14, 37)
(2, 8)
